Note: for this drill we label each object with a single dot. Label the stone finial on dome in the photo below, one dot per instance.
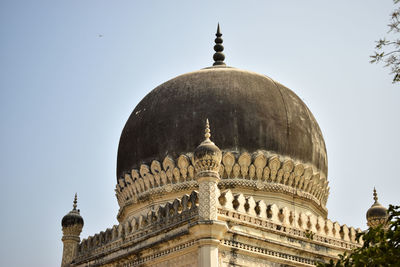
(207, 131)
(75, 201)
(375, 195)
(219, 57)
(73, 217)
(377, 214)
(207, 156)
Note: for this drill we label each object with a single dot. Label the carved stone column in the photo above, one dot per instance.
(208, 197)
(70, 241)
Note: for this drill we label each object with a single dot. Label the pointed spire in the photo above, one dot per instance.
(207, 131)
(75, 201)
(207, 135)
(219, 57)
(375, 195)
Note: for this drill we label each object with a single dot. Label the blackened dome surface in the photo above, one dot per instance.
(72, 218)
(247, 112)
(376, 211)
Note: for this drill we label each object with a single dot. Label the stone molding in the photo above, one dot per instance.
(259, 171)
(185, 260)
(302, 261)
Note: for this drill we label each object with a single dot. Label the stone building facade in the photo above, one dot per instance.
(255, 197)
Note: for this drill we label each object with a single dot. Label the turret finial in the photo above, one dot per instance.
(375, 195)
(75, 201)
(207, 131)
(218, 48)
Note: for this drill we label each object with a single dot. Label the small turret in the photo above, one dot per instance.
(377, 214)
(209, 231)
(207, 156)
(72, 225)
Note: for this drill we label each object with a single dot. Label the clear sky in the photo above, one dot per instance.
(72, 71)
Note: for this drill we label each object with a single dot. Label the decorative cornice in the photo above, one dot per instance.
(270, 253)
(258, 171)
(139, 262)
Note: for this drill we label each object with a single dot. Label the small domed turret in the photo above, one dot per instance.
(377, 214)
(207, 156)
(207, 161)
(72, 225)
(73, 217)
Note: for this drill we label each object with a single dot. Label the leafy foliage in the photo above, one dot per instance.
(388, 51)
(381, 246)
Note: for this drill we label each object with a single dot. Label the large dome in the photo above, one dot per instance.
(247, 112)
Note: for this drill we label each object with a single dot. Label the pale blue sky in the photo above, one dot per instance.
(66, 93)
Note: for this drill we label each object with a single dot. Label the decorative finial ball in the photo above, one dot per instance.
(219, 57)
(207, 156)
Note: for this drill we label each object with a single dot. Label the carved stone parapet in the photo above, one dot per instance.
(180, 211)
(260, 171)
(283, 219)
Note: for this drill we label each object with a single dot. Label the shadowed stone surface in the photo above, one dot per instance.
(247, 112)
